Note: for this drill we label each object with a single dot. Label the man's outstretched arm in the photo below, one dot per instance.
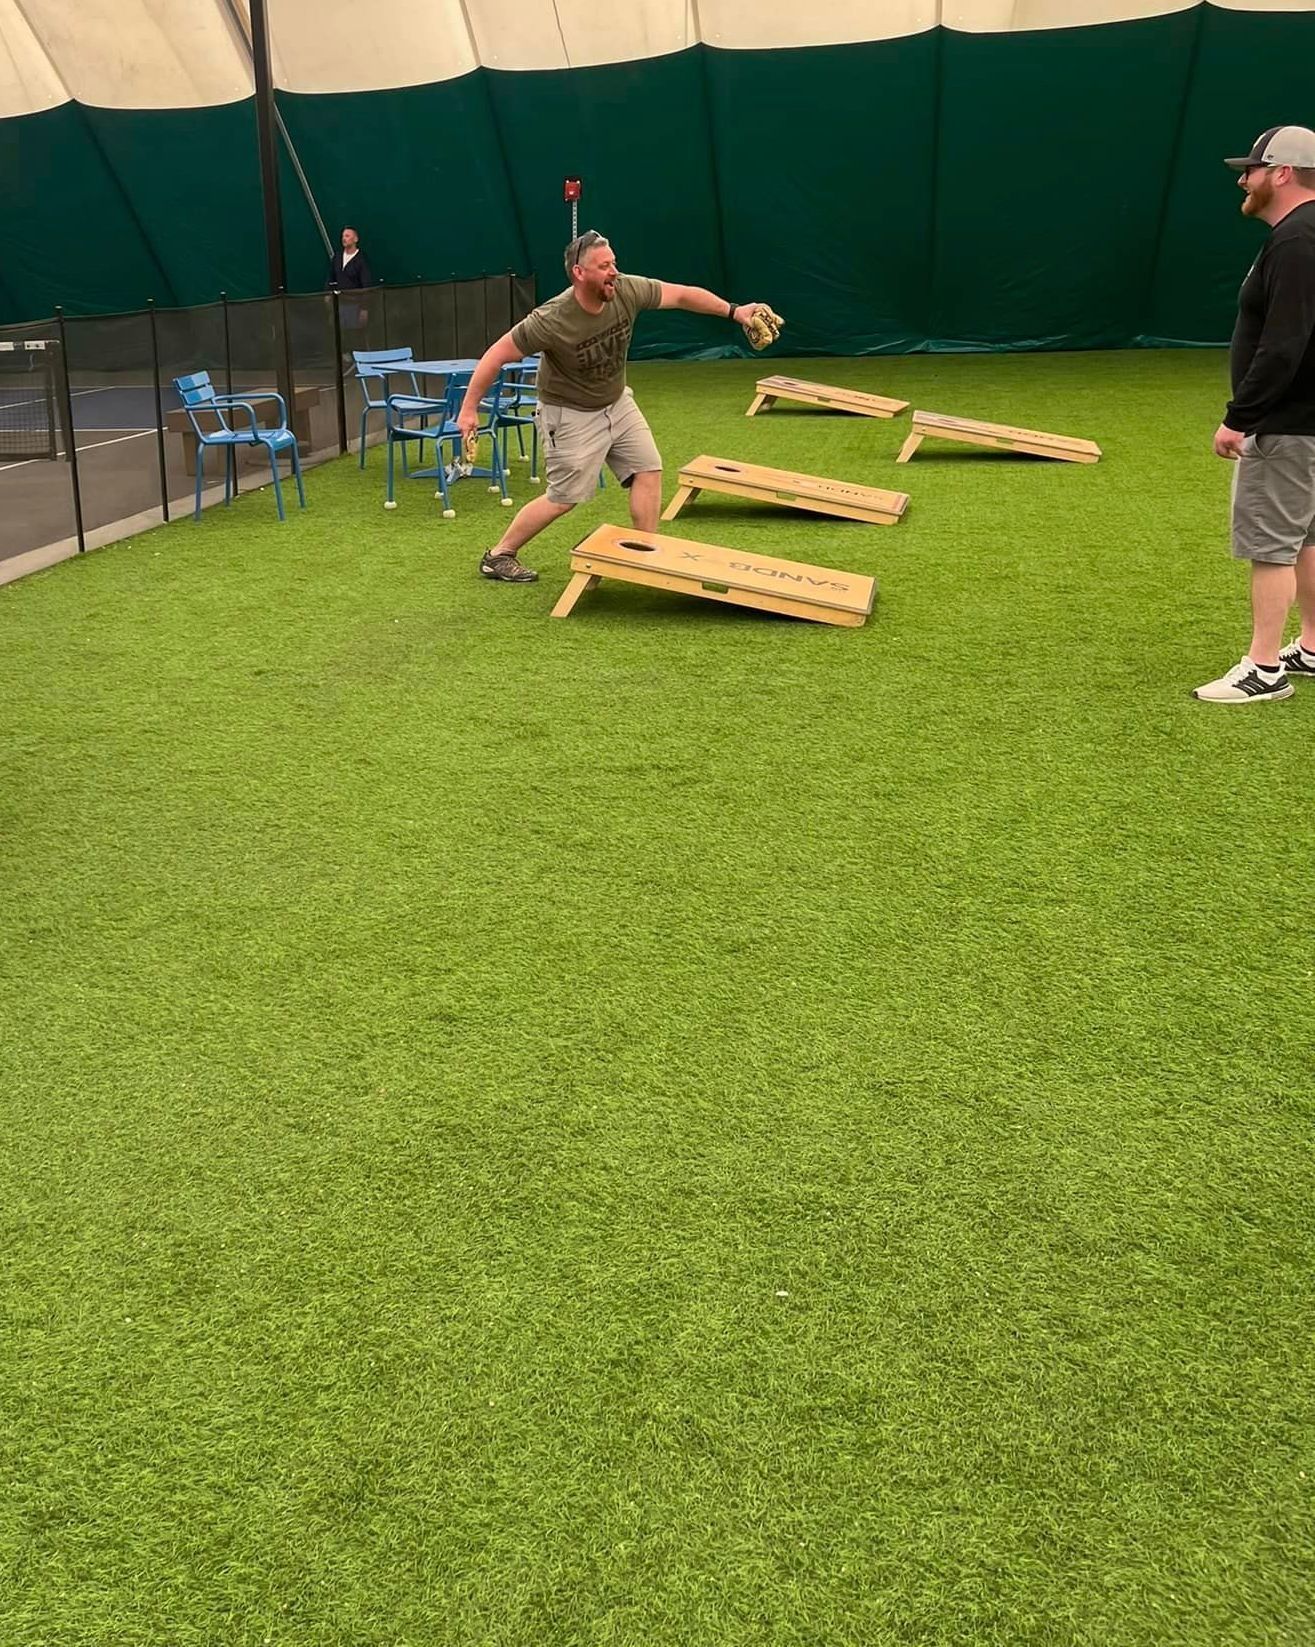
(699, 301)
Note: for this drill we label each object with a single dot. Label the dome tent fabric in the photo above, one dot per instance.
(892, 174)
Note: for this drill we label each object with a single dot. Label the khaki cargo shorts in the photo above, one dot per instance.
(1274, 498)
(577, 444)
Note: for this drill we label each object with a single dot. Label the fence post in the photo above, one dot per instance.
(288, 377)
(339, 373)
(159, 409)
(228, 387)
(70, 434)
(228, 348)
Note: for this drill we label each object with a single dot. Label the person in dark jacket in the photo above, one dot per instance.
(1269, 424)
(348, 270)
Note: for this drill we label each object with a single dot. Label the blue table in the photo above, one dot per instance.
(445, 368)
(435, 368)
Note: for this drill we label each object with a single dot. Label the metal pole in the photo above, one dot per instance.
(239, 24)
(228, 348)
(70, 436)
(339, 375)
(159, 409)
(288, 385)
(266, 128)
(228, 381)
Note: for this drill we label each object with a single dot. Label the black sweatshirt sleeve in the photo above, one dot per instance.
(1289, 326)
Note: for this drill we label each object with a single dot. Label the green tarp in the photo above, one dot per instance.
(1045, 189)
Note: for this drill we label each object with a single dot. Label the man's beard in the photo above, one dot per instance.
(1257, 199)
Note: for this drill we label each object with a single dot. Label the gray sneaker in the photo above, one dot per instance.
(1296, 660)
(505, 569)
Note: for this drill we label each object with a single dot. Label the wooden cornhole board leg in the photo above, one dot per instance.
(580, 584)
(684, 494)
(760, 401)
(909, 447)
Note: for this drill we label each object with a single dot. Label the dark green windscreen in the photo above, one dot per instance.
(1045, 189)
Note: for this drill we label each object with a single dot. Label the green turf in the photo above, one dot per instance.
(674, 1127)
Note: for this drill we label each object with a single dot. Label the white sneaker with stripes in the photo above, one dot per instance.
(1246, 682)
(1296, 660)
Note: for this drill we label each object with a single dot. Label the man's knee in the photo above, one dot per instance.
(559, 506)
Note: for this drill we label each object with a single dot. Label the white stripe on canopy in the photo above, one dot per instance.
(177, 54)
(141, 54)
(29, 81)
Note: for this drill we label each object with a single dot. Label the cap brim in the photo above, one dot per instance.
(1242, 164)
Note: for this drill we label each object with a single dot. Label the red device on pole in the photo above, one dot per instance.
(572, 189)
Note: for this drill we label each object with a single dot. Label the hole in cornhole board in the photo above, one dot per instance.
(629, 543)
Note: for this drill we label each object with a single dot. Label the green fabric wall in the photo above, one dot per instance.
(1051, 189)
(1054, 148)
(1250, 70)
(638, 135)
(826, 160)
(70, 236)
(420, 174)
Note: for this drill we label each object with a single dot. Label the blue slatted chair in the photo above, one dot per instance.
(519, 411)
(197, 395)
(449, 464)
(374, 369)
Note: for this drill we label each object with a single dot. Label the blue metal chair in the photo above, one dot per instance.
(198, 395)
(519, 411)
(377, 366)
(446, 433)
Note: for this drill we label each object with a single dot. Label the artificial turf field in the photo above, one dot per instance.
(672, 1127)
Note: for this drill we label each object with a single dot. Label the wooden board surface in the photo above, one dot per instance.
(787, 487)
(708, 570)
(824, 394)
(934, 425)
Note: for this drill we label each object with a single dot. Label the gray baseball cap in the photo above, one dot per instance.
(1279, 146)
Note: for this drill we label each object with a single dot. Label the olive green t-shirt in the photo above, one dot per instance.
(583, 361)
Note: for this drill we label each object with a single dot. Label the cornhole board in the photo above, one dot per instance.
(931, 425)
(736, 576)
(785, 487)
(771, 389)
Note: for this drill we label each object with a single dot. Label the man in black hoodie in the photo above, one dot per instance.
(1269, 424)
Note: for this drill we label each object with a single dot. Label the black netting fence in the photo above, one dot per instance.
(36, 491)
(94, 438)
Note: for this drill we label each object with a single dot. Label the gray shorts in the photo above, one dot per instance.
(577, 444)
(1274, 498)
